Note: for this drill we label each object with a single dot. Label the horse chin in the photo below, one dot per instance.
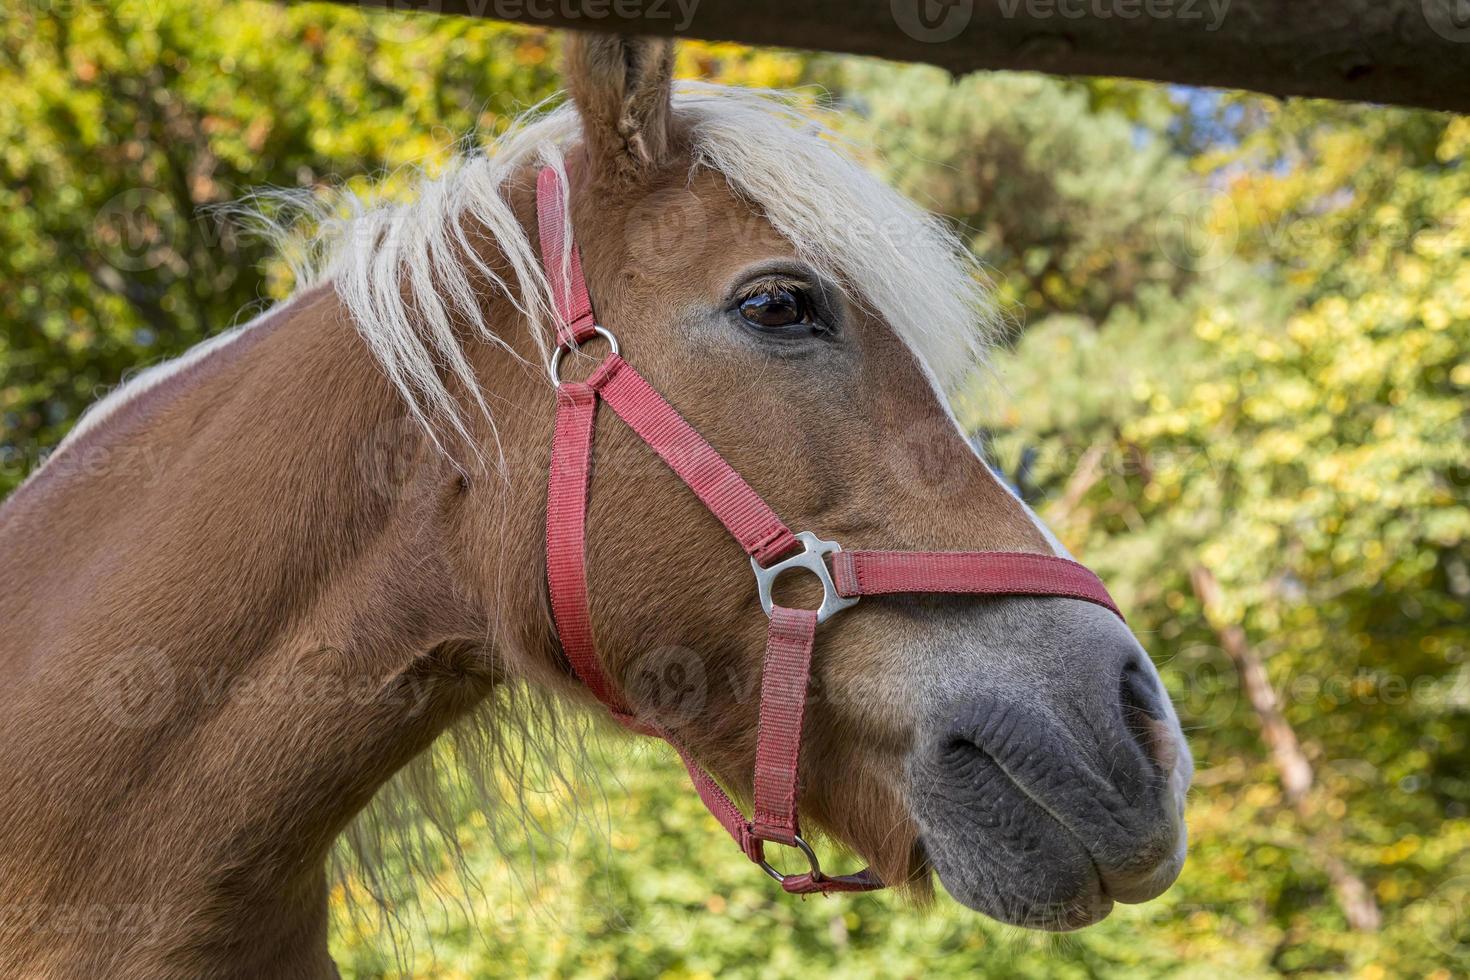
(1030, 898)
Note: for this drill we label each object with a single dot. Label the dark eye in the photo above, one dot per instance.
(775, 307)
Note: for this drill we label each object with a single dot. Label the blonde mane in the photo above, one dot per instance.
(411, 280)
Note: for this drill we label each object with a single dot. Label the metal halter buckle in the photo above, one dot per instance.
(562, 349)
(803, 847)
(812, 558)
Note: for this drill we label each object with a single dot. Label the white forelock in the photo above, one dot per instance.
(413, 282)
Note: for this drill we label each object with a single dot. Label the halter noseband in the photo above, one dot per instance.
(773, 548)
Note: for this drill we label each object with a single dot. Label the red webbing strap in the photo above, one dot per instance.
(808, 883)
(784, 678)
(752, 522)
(718, 803)
(734, 822)
(562, 261)
(566, 575)
(858, 573)
(566, 538)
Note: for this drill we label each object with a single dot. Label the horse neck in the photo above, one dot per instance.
(233, 609)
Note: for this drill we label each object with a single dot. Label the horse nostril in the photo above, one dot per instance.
(1143, 714)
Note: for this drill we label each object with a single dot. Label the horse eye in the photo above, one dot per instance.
(776, 307)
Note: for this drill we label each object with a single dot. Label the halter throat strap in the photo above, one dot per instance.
(772, 547)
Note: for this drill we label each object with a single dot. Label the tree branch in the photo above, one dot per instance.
(1295, 769)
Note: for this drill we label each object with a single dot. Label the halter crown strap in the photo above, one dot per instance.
(562, 260)
(845, 575)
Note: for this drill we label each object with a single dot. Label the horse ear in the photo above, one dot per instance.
(621, 86)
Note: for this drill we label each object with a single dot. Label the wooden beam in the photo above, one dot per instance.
(1409, 52)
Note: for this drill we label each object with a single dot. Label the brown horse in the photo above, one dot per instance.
(256, 582)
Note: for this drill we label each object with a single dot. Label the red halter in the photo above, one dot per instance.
(772, 548)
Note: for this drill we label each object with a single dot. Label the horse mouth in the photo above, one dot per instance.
(1016, 829)
(1047, 911)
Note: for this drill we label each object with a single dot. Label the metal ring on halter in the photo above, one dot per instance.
(803, 847)
(561, 350)
(813, 558)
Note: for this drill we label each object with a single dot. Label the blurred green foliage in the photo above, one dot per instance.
(1246, 326)
(1061, 201)
(123, 125)
(1295, 421)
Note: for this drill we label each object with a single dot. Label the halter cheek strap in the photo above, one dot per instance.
(846, 576)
